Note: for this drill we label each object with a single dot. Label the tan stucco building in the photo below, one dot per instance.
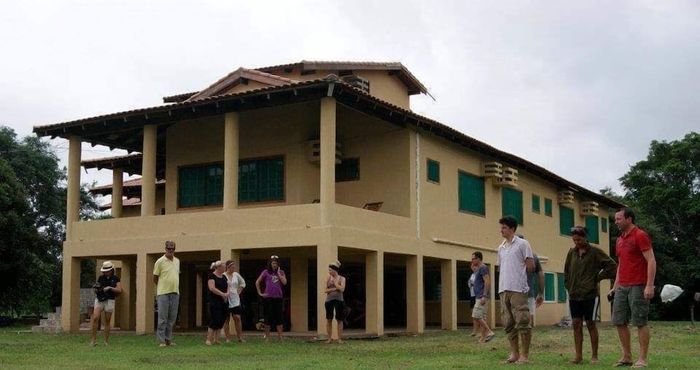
(314, 161)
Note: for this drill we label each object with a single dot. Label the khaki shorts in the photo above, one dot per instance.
(629, 305)
(480, 310)
(515, 313)
(106, 306)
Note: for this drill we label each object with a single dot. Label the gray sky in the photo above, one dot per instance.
(578, 87)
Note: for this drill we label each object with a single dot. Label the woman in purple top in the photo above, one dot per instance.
(273, 278)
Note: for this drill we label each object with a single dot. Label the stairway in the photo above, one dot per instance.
(52, 324)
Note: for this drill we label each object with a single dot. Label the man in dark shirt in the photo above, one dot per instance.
(585, 267)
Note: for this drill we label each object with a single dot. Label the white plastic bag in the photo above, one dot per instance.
(670, 292)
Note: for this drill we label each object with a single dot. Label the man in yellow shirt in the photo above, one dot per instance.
(166, 276)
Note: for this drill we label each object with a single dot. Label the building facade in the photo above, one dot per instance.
(315, 162)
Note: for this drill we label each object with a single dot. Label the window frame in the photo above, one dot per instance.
(459, 193)
(264, 159)
(357, 161)
(547, 202)
(537, 198)
(205, 167)
(428, 161)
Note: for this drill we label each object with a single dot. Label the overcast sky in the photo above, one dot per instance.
(578, 87)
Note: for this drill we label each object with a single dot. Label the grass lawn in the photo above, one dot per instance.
(672, 347)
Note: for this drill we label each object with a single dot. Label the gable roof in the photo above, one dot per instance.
(125, 129)
(131, 188)
(241, 75)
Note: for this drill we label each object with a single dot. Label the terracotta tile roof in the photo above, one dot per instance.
(128, 202)
(234, 78)
(131, 188)
(178, 98)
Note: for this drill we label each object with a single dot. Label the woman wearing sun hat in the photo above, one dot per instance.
(107, 286)
(334, 288)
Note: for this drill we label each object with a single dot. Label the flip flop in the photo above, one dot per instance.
(489, 337)
(574, 362)
(623, 364)
(509, 361)
(639, 366)
(522, 362)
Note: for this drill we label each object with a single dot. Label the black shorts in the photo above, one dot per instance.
(586, 309)
(274, 311)
(338, 306)
(235, 310)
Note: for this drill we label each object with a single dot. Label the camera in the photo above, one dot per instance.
(101, 294)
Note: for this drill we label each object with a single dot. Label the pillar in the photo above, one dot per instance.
(148, 185)
(415, 302)
(299, 272)
(145, 293)
(448, 279)
(231, 158)
(493, 290)
(70, 310)
(325, 254)
(328, 134)
(126, 299)
(73, 190)
(374, 292)
(117, 192)
(199, 291)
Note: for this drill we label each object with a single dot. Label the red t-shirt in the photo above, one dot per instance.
(633, 265)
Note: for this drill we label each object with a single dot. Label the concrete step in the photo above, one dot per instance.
(49, 322)
(46, 329)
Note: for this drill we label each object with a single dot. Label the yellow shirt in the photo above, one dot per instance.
(168, 273)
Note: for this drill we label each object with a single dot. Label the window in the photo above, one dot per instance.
(604, 224)
(547, 207)
(261, 180)
(549, 287)
(561, 289)
(432, 285)
(463, 275)
(566, 220)
(471, 194)
(592, 226)
(200, 186)
(512, 204)
(347, 170)
(433, 171)
(535, 203)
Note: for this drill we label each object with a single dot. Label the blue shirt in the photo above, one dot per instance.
(479, 282)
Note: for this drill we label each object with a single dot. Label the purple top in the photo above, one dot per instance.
(273, 285)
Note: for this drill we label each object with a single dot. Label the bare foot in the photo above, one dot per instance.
(575, 361)
(329, 341)
(594, 361)
(510, 360)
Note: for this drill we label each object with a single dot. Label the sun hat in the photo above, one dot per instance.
(107, 266)
(335, 266)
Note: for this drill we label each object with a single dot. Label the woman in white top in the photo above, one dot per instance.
(236, 283)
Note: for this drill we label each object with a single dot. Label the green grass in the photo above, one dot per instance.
(672, 347)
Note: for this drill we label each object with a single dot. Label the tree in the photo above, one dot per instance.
(664, 190)
(32, 223)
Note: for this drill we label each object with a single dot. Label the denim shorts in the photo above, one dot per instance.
(630, 306)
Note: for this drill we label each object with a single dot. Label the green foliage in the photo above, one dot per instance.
(664, 191)
(32, 223)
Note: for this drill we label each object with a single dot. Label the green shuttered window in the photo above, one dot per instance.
(604, 224)
(433, 171)
(566, 220)
(261, 180)
(547, 207)
(201, 186)
(512, 204)
(535, 203)
(549, 287)
(592, 226)
(561, 289)
(471, 194)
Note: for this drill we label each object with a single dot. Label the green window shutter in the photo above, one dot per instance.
(433, 171)
(200, 186)
(561, 289)
(592, 226)
(261, 180)
(215, 184)
(535, 203)
(547, 207)
(512, 204)
(471, 194)
(566, 220)
(549, 286)
(604, 224)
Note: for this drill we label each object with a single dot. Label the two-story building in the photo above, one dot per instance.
(314, 162)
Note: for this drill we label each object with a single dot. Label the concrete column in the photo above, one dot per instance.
(299, 281)
(328, 139)
(415, 301)
(117, 192)
(73, 190)
(448, 277)
(325, 254)
(231, 158)
(374, 307)
(198, 299)
(148, 186)
(70, 310)
(494, 293)
(127, 319)
(186, 281)
(145, 293)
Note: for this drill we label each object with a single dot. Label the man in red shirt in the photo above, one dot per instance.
(633, 288)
